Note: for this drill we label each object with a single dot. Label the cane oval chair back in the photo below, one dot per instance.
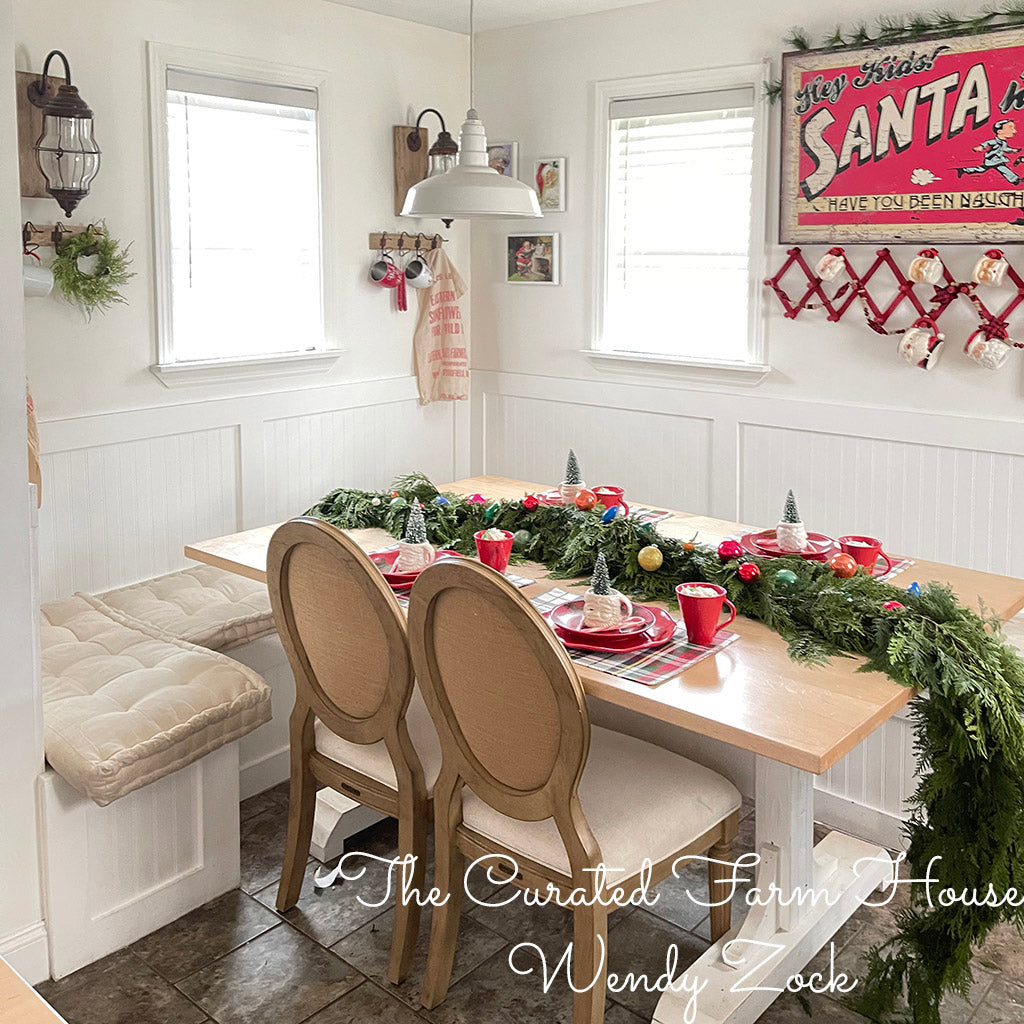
(342, 629)
(505, 698)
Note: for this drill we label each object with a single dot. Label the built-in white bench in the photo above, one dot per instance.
(216, 609)
(140, 799)
(225, 612)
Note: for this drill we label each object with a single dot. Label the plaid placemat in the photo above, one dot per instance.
(650, 666)
(898, 565)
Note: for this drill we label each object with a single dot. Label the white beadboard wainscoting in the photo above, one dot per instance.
(936, 486)
(125, 491)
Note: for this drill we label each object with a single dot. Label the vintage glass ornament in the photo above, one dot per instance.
(610, 514)
(490, 512)
(893, 606)
(521, 540)
(375, 502)
(476, 499)
(786, 577)
(441, 500)
(748, 571)
(915, 589)
(650, 558)
(530, 502)
(730, 549)
(586, 499)
(397, 501)
(843, 566)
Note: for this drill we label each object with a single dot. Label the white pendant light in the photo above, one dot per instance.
(474, 188)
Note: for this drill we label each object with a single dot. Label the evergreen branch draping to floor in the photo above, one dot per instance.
(969, 806)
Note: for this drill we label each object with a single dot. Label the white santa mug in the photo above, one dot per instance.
(921, 344)
(991, 353)
(925, 267)
(831, 265)
(991, 268)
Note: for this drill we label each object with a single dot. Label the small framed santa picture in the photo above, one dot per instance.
(532, 259)
(549, 183)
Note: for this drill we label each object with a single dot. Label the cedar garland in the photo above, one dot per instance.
(969, 733)
(904, 28)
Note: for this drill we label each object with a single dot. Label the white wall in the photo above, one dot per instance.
(930, 462)
(22, 937)
(133, 470)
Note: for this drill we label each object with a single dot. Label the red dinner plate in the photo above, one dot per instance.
(763, 542)
(656, 635)
(569, 616)
(385, 559)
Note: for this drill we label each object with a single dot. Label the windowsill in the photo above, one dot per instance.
(745, 374)
(212, 371)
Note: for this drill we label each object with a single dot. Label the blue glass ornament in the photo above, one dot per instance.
(610, 514)
(915, 589)
(441, 500)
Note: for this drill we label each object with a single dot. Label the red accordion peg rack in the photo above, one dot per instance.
(857, 287)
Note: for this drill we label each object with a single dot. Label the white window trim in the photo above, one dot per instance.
(177, 373)
(756, 368)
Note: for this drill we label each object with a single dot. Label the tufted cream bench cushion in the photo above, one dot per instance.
(201, 605)
(124, 704)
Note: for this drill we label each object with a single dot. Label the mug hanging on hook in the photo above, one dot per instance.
(387, 274)
(417, 272)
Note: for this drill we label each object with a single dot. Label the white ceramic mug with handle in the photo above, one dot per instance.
(37, 281)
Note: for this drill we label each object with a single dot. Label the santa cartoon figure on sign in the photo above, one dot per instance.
(997, 152)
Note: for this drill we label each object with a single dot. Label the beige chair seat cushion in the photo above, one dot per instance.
(201, 605)
(641, 801)
(124, 704)
(372, 759)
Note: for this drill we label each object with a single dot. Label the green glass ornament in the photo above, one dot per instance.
(397, 502)
(490, 512)
(785, 577)
(521, 540)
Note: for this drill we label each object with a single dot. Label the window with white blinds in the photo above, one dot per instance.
(679, 225)
(243, 195)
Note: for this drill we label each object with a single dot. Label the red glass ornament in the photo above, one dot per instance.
(843, 566)
(530, 502)
(892, 606)
(748, 571)
(730, 549)
(394, 494)
(586, 499)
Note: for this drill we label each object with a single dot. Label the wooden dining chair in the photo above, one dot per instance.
(359, 724)
(524, 777)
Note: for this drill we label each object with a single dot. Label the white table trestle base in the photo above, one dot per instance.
(841, 872)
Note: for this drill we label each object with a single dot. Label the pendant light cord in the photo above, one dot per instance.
(472, 60)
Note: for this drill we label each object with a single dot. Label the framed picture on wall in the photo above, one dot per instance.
(532, 259)
(504, 158)
(549, 181)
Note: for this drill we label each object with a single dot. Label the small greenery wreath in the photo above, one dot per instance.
(98, 289)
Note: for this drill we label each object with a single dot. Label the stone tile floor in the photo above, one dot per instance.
(237, 961)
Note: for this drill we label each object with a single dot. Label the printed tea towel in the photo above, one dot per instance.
(441, 338)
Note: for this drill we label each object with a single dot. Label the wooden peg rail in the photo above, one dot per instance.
(49, 234)
(405, 240)
(855, 287)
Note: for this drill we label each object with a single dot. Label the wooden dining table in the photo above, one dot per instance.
(796, 720)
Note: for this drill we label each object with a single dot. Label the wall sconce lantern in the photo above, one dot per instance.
(66, 151)
(442, 153)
